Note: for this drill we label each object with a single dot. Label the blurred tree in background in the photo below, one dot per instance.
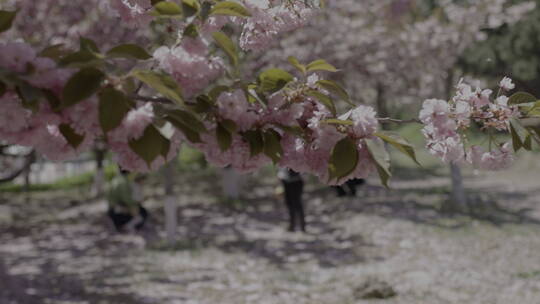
(510, 49)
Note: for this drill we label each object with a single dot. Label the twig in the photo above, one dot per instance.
(398, 121)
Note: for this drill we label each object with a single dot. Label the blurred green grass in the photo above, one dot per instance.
(64, 183)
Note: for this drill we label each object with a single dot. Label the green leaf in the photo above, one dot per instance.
(6, 20)
(54, 52)
(81, 85)
(255, 140)
(519, 135)
(131, 51)
(381, 159)
(293, 130)
(399, 143)
(521, 97)
(229, 8)
(191, 135)
(188, 119)
(89, 45)
(324, 99)
(162, 83)
(167, 8)
(527, 144)
(216, 91)
(253, 95)
(205, 10)
(534, 132)
(203, 104)
(150, 145)
(295, 63)
(165, 148)
(335, 88)
(273, 80)
(80, 59)
(272, 145)
(343, 159)
(226, 44)
(190, 7)
(224, 137)
(191, 31)
(113, 107)
(3, 88)
(73, 138)
(52, 98)
(532, 110)
(229, 125)
(29, 95)
(321, 65)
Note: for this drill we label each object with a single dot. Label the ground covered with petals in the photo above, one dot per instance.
(57, 248)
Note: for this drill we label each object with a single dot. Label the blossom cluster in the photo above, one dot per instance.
(446, 124)
(291, 108)
(269, 19)
(191, 63)
(268, 22)
(245, 125)
(39, 124)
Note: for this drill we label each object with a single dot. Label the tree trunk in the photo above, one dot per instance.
(231, 183)
(171, 219)
(458, 199)
(99, 179)
(28, 170)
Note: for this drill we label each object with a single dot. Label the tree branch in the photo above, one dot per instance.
(398, 121)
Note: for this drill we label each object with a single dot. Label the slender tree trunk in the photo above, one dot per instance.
(99, 178)
(171, 219)
(28, 170)
(231, 183)
(458, 198)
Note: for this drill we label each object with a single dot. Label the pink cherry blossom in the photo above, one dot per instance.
(234, 106)
(133, 12)
(133, 125)
(507, 84)
(238, 156)
(498, 159)
(449, 150)
(365, 121)
(191, 68)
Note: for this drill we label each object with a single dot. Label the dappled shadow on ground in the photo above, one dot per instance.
(259, 231)
(59, 248)
(62, 249)
(55, 287)
(429, 206)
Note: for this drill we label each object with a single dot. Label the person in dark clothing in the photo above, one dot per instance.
(293, 188)
(122, 219)
(350, 185)
(125, 209)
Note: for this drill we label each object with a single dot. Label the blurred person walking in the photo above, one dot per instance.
(124, 196)
(293, 185)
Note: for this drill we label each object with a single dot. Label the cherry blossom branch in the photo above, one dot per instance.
(398, 121)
